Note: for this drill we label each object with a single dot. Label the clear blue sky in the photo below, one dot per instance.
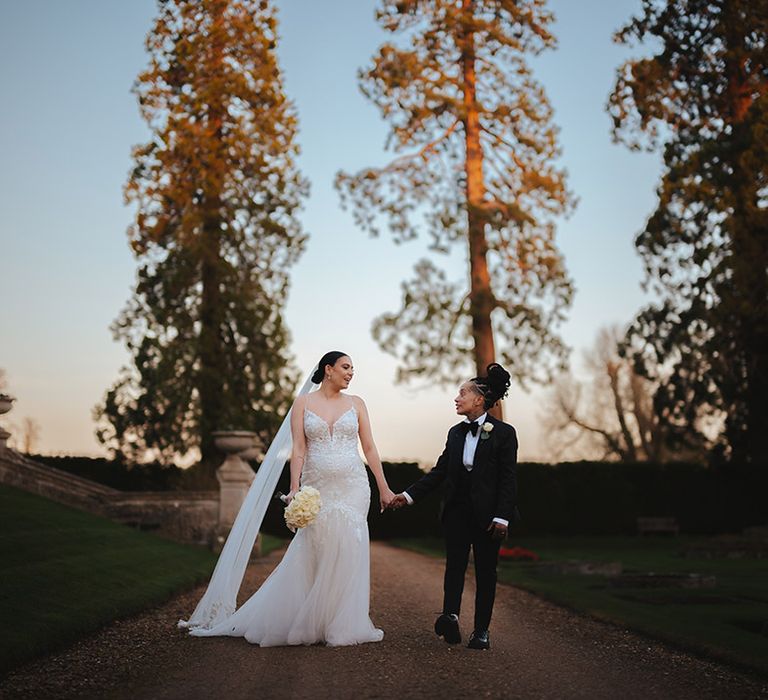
(67, 124)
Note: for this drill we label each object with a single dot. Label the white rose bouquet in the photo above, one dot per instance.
(303, 508)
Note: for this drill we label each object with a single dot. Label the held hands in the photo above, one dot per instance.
(386, 496)
(397, 502)
(498, 531)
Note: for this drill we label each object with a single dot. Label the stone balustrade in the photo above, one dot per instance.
(200, 517)
(185, 516)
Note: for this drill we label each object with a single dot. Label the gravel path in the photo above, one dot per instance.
(538, 651)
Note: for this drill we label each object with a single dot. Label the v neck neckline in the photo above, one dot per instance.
(328, 425)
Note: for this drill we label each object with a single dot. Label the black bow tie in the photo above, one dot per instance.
(470, 427)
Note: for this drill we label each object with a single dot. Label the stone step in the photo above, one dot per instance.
(49, 482)
(56, 477)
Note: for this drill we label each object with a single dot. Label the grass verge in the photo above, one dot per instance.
(66, 573)
(728, 622)
(269, 543)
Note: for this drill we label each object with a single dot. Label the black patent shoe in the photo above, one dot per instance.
(479, 640)
(447, 627)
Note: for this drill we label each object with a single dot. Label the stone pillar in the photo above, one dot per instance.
(235, 477)
(4, 435)
(6, 403)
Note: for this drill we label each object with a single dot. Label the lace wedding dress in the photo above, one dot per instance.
(320, 591)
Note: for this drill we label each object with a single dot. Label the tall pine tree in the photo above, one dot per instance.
(705, 248)
(477, 145)
(217, 193)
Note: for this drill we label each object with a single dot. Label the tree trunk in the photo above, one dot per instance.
(612, 369)
(211, 321)
(481, 299)
(748, 366)
(211, 351)
(642, 410)
(749, 284)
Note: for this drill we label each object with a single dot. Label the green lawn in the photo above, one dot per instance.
(270, 543)
(728, 622)
(66, 573)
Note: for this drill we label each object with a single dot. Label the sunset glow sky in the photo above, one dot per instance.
(67, 124)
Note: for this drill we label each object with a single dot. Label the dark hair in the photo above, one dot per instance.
(494, 385)
(330, 358)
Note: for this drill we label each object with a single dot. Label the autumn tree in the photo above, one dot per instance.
(702, 96)
(217, 192)
(610, 412)
(476, 146)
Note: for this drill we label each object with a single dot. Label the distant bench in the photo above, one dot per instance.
(650, 525)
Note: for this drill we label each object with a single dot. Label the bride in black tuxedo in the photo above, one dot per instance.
(478, 467)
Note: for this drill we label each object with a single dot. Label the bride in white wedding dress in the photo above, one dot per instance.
(320, 591)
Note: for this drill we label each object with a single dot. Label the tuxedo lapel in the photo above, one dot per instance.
(457, 449)
(483, 445)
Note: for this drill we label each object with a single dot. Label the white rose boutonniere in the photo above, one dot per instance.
(485, 431)
(303, 509)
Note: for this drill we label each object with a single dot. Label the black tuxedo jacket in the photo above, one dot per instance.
(494, 473)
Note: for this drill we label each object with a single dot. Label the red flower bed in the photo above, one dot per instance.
(518, 554)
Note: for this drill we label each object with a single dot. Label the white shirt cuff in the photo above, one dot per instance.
(501, 521)
(408, 498)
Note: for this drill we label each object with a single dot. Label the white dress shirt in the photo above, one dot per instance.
(470, 442)
(470, 447)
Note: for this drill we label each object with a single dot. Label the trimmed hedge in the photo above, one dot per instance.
(597, 498)
(607, 498)
(116, 474)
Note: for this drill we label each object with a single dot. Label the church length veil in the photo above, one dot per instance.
(220, 598)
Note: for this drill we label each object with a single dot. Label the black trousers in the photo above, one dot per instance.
(464, 533)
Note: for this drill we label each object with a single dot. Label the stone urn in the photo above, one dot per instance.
(233, 442)
(234, 475)
(6, 404)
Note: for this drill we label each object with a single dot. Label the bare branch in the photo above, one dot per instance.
(421, 153)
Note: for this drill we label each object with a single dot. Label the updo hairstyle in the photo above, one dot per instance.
(330, 358)
(494, 386)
